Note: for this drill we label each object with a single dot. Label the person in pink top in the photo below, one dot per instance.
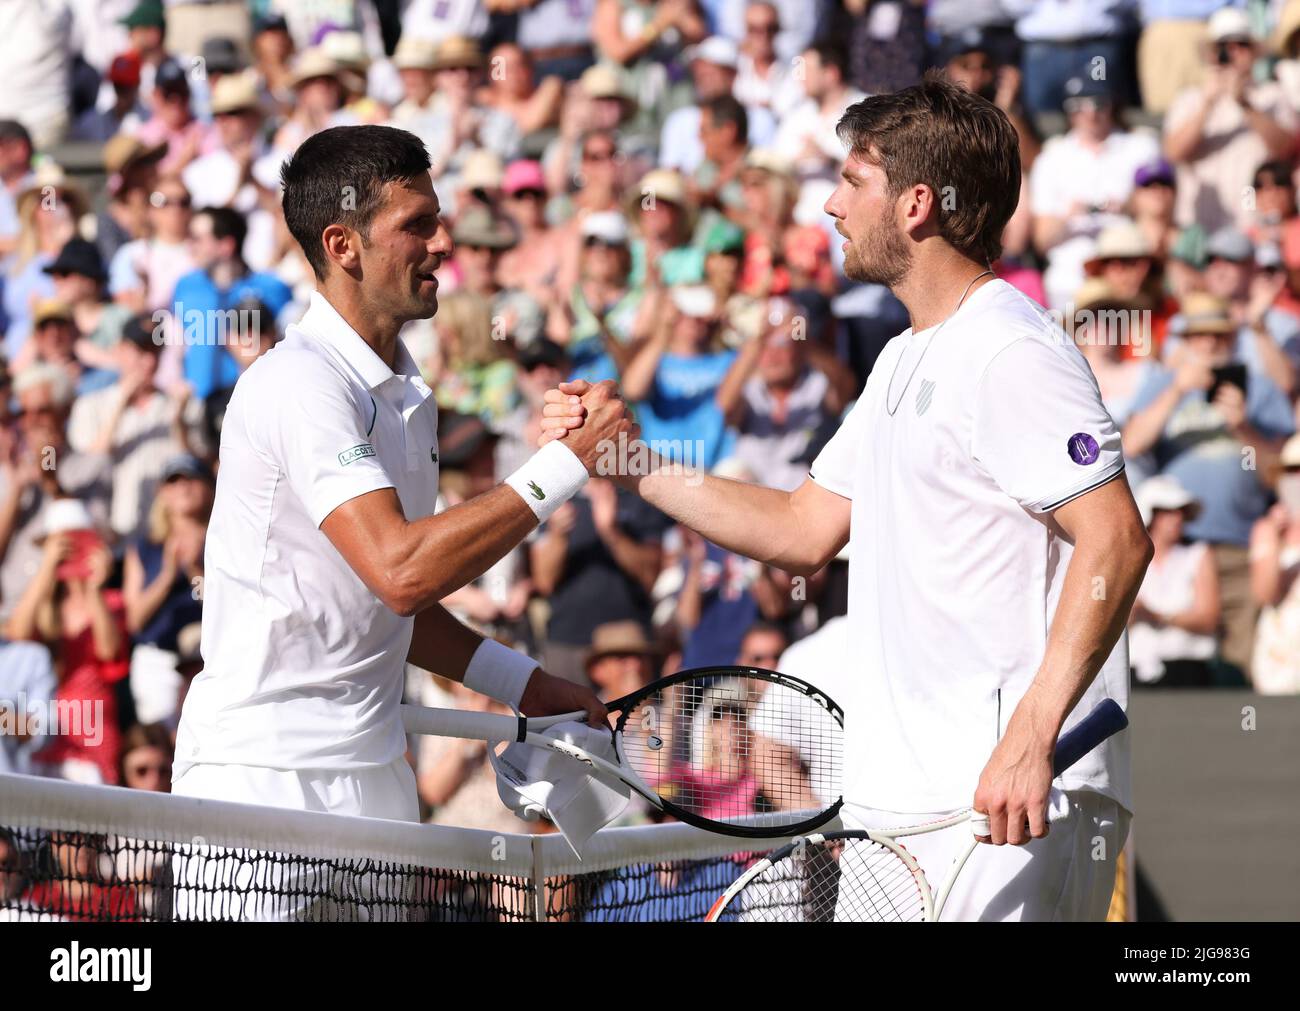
(174, 123)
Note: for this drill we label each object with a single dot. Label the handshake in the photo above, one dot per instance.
(593, 421)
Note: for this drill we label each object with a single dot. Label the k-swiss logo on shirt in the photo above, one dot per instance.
(924, 395)
(433, 455)
(355, 453)
(1083, 449)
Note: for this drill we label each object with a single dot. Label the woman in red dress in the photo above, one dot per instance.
(66, 608)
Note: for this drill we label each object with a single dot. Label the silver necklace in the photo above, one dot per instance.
(889, 391)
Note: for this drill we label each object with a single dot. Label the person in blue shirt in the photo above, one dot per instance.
(1215, 421)
(27, 686)
(205, 301)
(674, 379)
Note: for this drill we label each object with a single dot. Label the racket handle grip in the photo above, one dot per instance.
(469, 726)
(1105, 721)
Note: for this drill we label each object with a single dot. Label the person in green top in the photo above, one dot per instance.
(468, 370)
(80, 281)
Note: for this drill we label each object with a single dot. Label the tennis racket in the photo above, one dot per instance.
(857, 876)
(740, 751)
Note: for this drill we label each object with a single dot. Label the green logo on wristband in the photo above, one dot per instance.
(537, 492)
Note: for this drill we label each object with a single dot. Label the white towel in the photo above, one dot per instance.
(533, 781)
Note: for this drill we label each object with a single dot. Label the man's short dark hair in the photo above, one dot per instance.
(1277, 170)
(724, 110)
(832, 54)
(227, 223)
(960, 145)
(11, 129)
(338, 177)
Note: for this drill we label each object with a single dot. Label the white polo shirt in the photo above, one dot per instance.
(955, 563)
(303, 664)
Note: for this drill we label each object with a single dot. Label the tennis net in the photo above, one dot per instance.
(75, 852)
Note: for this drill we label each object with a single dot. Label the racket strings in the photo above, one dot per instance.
(837, 880)
(730, 748)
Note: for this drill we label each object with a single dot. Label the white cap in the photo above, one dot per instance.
(1229, 23)
(1291, 452)
(717, 49)
(694, 300)
(1163, 492)
(66, 514)
(608, 226)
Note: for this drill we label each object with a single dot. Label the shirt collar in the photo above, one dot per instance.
(325, 323)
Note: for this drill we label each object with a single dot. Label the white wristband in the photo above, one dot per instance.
(499, 672)
(551, 477)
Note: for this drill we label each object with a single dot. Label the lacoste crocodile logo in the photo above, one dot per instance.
(537, 492)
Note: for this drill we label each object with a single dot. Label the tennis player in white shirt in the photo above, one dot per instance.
(324, 562)
(996, 549)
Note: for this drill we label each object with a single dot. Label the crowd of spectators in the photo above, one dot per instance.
(635, 192)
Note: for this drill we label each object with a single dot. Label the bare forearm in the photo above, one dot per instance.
(1087, 624)
(1277, 140)
(9, 517)
(1144, 428)
(548, 562)
(733, 383)
(688, 601)
(639, 376)
(640, 561)
(24, 622)
(441, 553)
(748, 519)
(1182, 141)
(1276, 363)
(144, 605)
(441, 644)
(443, 780)
(104, 630)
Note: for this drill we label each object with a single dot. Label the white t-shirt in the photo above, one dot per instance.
(955, 563)
(1213, 182)
(1069, 172)
(303, 665)
(806, 127)
(1169, 588)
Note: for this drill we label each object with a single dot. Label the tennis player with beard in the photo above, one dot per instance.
(995, 548)
(325, 562)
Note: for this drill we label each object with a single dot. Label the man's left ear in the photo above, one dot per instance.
(920, 208)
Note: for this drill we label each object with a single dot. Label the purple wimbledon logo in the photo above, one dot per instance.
(1083, 449)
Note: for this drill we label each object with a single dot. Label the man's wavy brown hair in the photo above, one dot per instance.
(961, 146)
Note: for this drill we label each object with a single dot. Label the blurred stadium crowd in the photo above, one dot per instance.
(635, 190)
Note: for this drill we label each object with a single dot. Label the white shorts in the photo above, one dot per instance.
(379, 791)
(225, 883)
(1068, 875)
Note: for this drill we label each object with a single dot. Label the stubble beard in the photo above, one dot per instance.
(881, 256)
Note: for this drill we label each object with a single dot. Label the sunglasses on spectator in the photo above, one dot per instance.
(158, 199)
(528, 195)
(767, 28)
(592, 242)
(162, 768)
(1269, 183)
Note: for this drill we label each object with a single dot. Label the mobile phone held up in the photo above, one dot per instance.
(77, 565)
(1231, 375)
